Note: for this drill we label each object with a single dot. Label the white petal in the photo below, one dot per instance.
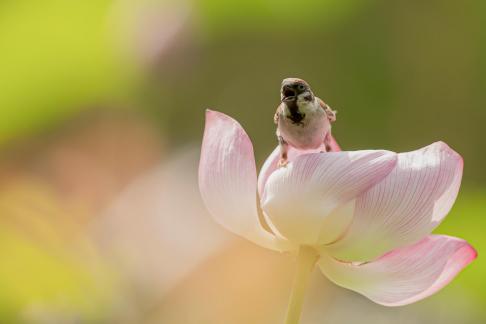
(404, 275)
(301, 199)
(228, 181)
(271, 162)
(406, 206)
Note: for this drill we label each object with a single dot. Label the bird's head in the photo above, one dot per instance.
(294, 89)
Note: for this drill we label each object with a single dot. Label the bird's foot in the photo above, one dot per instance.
(282, 163)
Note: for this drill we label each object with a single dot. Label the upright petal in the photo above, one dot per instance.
(405, 275)
(271, 162)
(228, 180)
(311, 200)
(406, 206)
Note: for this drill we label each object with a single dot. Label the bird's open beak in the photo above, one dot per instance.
(288, 95)
(288, 99)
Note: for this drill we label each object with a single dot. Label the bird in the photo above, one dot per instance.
(303, 120)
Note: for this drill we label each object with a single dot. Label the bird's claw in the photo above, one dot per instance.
(282, 163)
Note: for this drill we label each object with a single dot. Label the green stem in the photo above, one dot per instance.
(306, 260)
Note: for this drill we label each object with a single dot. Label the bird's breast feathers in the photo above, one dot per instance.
(309, 133)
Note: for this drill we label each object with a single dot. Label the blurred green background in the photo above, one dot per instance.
(98, 97)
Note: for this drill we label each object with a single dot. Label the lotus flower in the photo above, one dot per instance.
(367, 214)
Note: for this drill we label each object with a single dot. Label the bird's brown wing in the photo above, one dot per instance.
(276, 116)
(331, 114)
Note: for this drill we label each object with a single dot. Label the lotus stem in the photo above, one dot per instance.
(306, 261)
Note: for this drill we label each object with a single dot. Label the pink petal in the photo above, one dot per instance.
(406, 206)
(228, 181)
(270, 164)
(405, 275)
(310, 200)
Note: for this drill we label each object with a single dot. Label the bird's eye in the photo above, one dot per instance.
(301, 87)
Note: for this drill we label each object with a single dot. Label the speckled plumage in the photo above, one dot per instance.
(303, 120)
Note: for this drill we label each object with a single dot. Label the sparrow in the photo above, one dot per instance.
(303, 120)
